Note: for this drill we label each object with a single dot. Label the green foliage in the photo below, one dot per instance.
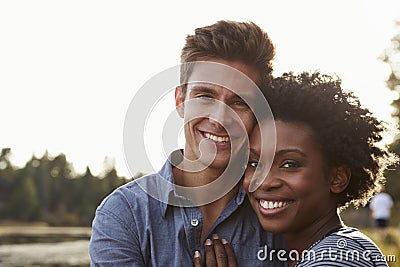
(47, 189)
(391, 56)
(24, 202)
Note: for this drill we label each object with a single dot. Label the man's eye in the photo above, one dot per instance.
(290, 164)
(204, 97)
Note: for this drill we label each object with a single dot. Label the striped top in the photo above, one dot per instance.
(344, 247)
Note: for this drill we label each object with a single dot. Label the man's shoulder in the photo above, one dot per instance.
(131, 196)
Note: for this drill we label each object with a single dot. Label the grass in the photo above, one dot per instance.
(390, 245)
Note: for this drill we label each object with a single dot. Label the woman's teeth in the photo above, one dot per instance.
(272, 204)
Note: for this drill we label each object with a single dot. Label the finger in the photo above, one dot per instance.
(197, 259)
(210, 255)
(219, 252)
(231, 258)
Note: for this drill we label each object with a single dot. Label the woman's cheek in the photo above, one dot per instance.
(246, 182)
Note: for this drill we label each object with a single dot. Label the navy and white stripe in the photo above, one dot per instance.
(344, 247)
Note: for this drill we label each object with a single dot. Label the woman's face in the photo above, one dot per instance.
(295, 194)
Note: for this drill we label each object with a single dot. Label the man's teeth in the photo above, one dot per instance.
(272, 204)
(217, 138)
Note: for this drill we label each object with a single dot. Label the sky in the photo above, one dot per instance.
(70, 69)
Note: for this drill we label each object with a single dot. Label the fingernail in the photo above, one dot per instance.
(224, 242)
(208, 242)
(214, 236)
(196, 254)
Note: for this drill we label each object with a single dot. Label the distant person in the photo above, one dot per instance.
(380, 207)
(131, 228)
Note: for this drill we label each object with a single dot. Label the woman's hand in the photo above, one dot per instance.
(218, 253)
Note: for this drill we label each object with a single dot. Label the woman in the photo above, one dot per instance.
(326, 157)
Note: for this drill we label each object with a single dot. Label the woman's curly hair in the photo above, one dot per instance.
(347, 132)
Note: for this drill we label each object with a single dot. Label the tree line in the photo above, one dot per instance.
(47, 189)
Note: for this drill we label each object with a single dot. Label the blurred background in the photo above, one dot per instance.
(69, 69)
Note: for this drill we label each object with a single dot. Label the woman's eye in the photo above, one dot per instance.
(254, 164)
(240, 103)
(290, 164)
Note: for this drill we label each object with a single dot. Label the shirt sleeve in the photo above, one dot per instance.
(114, 241)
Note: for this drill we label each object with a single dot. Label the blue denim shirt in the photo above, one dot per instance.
(131, 228)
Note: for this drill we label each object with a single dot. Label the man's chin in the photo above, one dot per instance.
(225, 164)
(222, 159)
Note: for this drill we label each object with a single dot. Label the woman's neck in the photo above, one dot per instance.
(305, 238)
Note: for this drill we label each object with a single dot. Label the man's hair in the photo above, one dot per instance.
(346, 132)
(233, 41)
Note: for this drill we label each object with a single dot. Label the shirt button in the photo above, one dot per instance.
(194, 222)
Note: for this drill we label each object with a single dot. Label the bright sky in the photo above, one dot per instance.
(69, 69)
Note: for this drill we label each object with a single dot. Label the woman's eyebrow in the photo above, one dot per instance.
(253, 152)
(290, 150)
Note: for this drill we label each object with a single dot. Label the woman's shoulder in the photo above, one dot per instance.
(351, 234)
(344, 247)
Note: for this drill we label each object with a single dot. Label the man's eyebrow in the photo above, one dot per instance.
(210, 89)
(202, 88)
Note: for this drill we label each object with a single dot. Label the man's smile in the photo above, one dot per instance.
(216, 138)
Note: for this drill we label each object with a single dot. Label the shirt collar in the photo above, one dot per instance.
(241, 195)
(166, 173)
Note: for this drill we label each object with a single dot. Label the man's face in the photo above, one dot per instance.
(217, 117)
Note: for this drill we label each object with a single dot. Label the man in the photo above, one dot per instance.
(163, 218)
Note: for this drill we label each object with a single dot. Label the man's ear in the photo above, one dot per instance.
(340, 179)
(179, 101)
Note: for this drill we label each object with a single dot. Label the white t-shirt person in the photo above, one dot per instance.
(380, 206)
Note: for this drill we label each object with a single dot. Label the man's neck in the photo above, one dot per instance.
(186, 178)
(212, 210)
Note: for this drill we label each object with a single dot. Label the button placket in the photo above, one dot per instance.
(193, 226)
(194, 222)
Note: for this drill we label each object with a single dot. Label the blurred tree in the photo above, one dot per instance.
(6, 178)
(24, 203)
(391, 56)
(5, 158)
(110, 178)
(39, 170)
(60, 174)
(86, 201)
(48, 189)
